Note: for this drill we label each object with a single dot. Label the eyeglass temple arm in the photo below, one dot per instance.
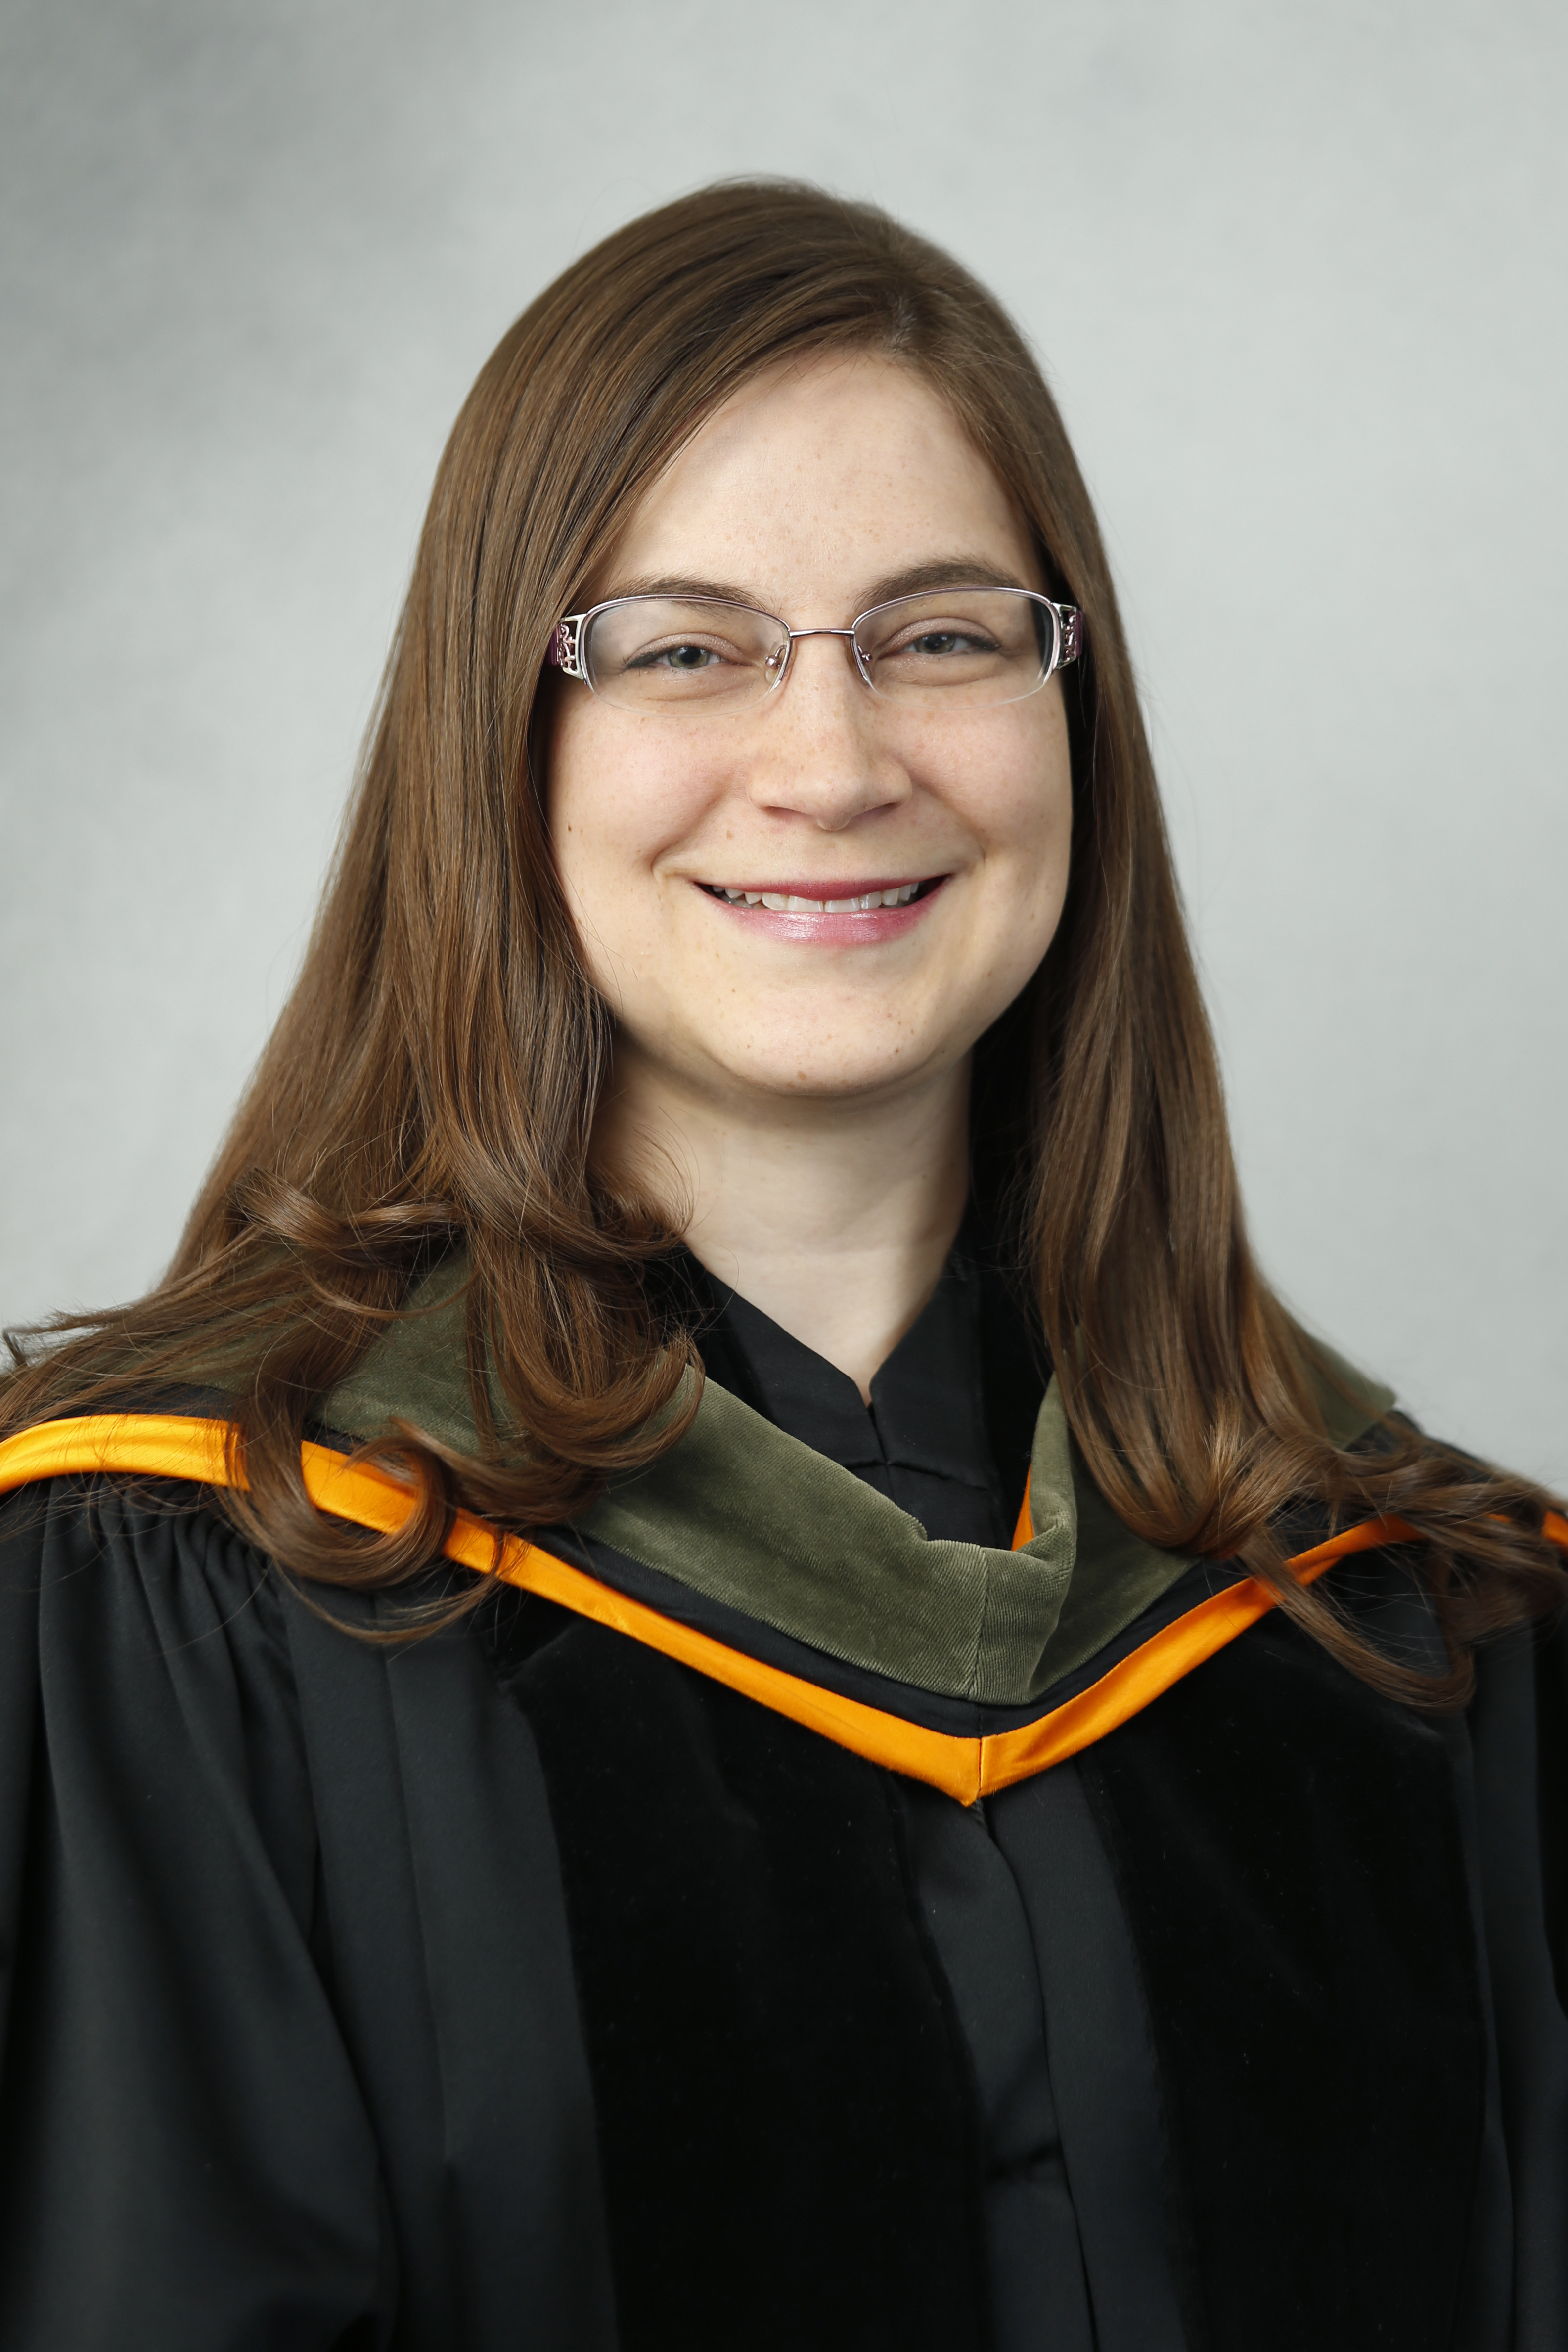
(565, 652)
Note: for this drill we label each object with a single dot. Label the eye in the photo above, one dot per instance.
(934, 643)
(685, 659)
(928, 643)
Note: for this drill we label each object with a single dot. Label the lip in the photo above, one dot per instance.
(867, 927)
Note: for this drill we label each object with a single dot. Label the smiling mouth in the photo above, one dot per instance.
(856, 898)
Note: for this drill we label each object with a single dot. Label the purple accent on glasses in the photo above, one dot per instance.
(565, 651)
(1072, 632)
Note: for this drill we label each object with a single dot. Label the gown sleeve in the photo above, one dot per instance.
(1519, 1730)
(185, 2160)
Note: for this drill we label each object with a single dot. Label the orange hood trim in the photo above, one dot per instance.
(163, 1445)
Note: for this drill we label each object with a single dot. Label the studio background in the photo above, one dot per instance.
(1296, 276)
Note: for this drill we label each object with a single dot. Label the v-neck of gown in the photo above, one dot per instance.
(925, 1440)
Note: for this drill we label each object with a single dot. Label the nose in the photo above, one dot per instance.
(820, 754)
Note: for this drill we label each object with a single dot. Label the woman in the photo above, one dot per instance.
(712, 1671)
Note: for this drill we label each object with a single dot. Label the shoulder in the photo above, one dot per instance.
(136, 1622)
(144, 1548)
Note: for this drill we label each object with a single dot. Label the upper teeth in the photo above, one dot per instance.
(790, 904)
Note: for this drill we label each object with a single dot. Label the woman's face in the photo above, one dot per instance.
(812, 494)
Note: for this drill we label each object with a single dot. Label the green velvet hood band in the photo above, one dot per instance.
(747, 1516)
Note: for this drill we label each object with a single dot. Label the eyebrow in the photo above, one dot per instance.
(943, 572)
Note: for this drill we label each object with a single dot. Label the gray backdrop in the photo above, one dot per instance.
(1297, 275)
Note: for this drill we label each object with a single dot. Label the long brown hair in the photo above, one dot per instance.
(435, 1074)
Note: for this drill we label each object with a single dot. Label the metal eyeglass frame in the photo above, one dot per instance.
(566, 639)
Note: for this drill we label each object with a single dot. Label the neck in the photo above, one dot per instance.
(835, 1218)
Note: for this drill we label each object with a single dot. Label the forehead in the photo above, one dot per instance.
(817, 479)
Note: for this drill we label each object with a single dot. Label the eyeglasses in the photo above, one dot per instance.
(696, 654)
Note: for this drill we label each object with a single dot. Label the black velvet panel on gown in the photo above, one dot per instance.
(1291, 1869)
(786, 2125)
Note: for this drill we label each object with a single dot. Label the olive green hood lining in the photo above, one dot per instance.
(749, 1517)
(418, 1370)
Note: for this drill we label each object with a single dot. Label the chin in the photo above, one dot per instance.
(810, 1074)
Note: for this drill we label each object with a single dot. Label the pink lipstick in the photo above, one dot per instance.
(851, 912)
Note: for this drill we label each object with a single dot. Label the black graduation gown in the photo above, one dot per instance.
(528, 1988)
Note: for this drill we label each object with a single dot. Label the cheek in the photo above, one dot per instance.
(1022, 810)
(1014, 792)
(616, 798)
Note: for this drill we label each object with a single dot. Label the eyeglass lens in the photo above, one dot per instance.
(958, 644)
